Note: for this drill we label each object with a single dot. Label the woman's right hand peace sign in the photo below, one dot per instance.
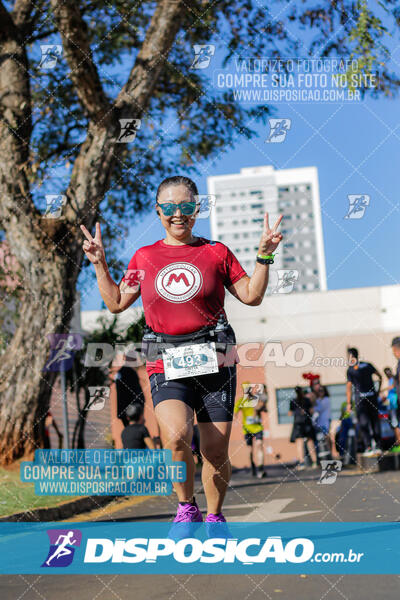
(93, 246)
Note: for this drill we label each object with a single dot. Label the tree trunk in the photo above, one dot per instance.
(25, 388)
(50, 249)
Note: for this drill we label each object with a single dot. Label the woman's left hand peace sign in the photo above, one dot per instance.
(270, 238)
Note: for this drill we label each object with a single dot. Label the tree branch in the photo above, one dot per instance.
(8, 30)
(44, 34)
(83, 74)
(144, 75)
(94, 165)
(22, 12)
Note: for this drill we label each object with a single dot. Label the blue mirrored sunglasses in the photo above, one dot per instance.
(169, 208)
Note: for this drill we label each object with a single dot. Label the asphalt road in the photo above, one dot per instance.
(284, 496)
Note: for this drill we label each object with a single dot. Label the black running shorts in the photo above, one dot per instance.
(248, 437)
(211, 396)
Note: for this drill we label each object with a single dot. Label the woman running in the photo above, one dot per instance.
(181, 279)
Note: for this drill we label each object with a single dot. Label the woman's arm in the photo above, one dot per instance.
(113, 295)
(149, 443)
(251, 290)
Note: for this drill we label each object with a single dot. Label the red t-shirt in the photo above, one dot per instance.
(183, 287)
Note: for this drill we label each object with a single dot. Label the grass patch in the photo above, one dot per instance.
(17, 496)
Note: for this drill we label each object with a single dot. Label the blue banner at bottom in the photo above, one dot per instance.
(138, 547)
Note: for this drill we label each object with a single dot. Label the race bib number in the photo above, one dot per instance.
(190, 361)
(253, 420)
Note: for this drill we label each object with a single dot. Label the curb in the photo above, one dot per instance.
(62, 511)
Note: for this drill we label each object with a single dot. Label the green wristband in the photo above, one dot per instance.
(266, 255)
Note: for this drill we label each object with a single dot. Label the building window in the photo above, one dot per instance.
(259, 205)
(236, 235)
(246, 235)
(337, 393)
(219, 209)
(234, 207)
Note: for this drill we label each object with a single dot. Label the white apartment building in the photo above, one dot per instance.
(237, 220)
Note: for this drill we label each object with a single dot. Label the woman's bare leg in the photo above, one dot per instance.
(216, 472)
(175, 420)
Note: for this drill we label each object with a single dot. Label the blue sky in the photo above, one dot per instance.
(355, 147)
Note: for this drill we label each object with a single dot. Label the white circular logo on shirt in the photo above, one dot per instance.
(178, 282)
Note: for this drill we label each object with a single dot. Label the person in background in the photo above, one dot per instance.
(136, 436)
(312, 394)
(49, 422)
(322, 421)
(359, 378)
(129, 390)
(300, 407)
(393, 405)
(315, 385)
(252, 406)
(346, 423)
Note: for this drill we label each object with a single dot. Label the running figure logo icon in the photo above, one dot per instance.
(54, 204)
(202, 55)
(252, 392)
(128, 131)
(62, 547)
(131, 280)
(50, 54)
(62, 351)
(357, 205)
(278, 129)
(330, 470)
(286, 281)
(178, 282)
(98, 397)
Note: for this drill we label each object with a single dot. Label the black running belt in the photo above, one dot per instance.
(205, 332)
(224, 334)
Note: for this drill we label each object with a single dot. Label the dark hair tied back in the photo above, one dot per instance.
(178, 180)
